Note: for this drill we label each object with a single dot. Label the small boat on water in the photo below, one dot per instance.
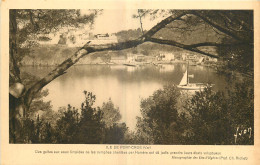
(186, 85)
(129, 64)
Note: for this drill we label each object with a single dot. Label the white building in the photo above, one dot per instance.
(79, 37)
(103, 39)
(189, 57)
(166, 56)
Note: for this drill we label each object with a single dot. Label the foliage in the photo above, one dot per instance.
(116, 134)
(28, 26)
(241, 57)
(37, 131)
(90, 126)
(38, 104)
(160, 122)
(111, 114)
(67, 126)
(210, 119)
(206, 118)
(215, 117)
(230, 31)
(241, 104)
(126, 35)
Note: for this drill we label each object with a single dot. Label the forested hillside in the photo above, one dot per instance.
(54, 54)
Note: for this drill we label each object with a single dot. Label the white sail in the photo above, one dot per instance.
(184, 80)
(185, 85)
(200, 60)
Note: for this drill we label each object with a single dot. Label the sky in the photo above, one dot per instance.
(114, 20)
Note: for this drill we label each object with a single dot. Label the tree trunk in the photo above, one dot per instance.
(17, 110)
(14, 69)
(16, 106)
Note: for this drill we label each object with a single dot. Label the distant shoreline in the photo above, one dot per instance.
(152, 63)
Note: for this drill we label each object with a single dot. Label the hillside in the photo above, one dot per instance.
(55, 54)
(48, 55)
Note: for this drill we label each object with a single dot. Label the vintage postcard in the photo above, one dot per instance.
(128, 82)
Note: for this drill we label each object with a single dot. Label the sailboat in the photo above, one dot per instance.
(186, 85)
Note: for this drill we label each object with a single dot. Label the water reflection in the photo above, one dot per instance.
(117, 67)
(131, 69)
(125, 85)
(166, 68)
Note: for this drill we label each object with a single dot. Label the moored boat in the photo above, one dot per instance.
(129, 64)
(186, 85)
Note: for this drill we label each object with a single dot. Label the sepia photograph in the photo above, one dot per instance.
(135, 76)
(129, 82)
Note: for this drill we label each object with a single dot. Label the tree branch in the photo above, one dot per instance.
(162, 24)
(35, 25)
(215, 44)
(177, 44)
(246, 25)
(86, 49)
(217, 26)
(140, 19)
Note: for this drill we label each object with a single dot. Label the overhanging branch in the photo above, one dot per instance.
(215, 44)
(87, 49)
(183, 46)
(217, 26)
(162, 24)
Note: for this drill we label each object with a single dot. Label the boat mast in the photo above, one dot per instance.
(188, 73)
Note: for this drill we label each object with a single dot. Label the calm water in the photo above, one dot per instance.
(125, 85)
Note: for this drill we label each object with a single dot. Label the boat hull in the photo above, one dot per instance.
(130, 64)
(196, 87)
